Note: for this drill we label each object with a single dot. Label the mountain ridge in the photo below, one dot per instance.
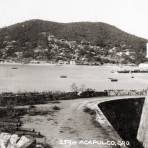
(29, 34)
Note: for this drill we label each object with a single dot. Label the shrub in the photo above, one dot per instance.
(90, 111)
(56, 108)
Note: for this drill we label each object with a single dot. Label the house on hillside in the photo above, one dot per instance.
(72, 62)
(51, 37)
(34, 62)
(2, 60)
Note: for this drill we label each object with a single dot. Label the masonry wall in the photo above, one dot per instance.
(142, 134)
(124, 115)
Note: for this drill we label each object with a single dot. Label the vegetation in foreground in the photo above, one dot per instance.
(33, 98)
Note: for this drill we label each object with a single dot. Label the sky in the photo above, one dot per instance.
(128, 15)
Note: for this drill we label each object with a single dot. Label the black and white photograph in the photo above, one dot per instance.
(73, 74)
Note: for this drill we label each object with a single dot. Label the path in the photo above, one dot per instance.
(72, 123)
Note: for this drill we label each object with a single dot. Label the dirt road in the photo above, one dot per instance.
(71, 123)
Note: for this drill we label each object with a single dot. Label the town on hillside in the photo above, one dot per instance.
(50, 49)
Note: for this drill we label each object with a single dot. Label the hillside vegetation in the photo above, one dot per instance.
(83, 42)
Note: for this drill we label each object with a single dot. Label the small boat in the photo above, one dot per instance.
(63, 76)
(123, 71)
(133, 71)
(113, 79)
(14, 68)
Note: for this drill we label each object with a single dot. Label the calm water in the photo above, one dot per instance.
(47, 77)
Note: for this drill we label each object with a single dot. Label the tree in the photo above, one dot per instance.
(74, 87)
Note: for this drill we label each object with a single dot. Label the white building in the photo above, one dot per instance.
(72, 62)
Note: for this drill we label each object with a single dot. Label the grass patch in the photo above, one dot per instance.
(56, 108)
(41, 113)
(55, 102)
(34, 111)
(34, 98)
(89, 111)
(93, 116)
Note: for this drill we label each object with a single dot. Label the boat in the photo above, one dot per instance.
(123, 71)
(113, 79)
(63, 76)
(14, 68)
(133, 71)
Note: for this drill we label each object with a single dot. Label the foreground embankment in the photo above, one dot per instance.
(124, 116)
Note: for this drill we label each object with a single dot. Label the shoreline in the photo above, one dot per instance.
(56, 64)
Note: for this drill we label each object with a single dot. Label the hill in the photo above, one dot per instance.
(27, 37)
